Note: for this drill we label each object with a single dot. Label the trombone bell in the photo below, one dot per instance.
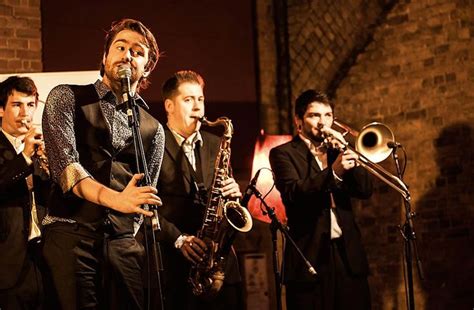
(372, 141)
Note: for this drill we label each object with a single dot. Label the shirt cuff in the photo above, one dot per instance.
(71, 176)
(28, 159)
(336, 178)
(180, 241)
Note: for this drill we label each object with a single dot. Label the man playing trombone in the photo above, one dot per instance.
(317, 177)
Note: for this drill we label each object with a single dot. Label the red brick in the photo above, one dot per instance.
(5, 10)
(27, 54)
(6, 32)
(28, 33)
(26, 12)
(34, 45)
(6, 53)
(17, 43)
(14, 64)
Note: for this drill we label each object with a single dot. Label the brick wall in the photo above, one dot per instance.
(417, 77)
(20, 36)
(408, 64)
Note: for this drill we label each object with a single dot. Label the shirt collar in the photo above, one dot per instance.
(17, 143)
(314, 149)
(105, 93)
(191, 140)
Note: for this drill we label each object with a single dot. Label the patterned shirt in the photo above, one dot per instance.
(58, 129)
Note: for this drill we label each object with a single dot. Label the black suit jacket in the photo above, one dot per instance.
(179, 213)
(305, 191)
(15, 212)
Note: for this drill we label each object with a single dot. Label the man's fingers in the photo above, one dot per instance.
(189, 254)
(144, 212)
(159, 203)
(136, 177)
(192, 251)
(202, 244)
(147, 189)
(152, 201)
(148, 198)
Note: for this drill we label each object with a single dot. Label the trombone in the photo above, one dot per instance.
(371, 146)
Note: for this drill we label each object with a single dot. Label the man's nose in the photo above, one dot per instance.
(24, 111)
(127, 55)
(196, 106)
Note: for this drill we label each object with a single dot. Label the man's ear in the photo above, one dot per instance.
(169, 105)
(146, 74)
(298, 123)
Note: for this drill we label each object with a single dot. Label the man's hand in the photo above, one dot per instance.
(230, 188)
(333, 137)
(345, 161)
(193, 249)
(133, 197)
(33, 139)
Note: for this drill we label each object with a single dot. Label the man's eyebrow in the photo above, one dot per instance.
(141, 44)
(120, 41)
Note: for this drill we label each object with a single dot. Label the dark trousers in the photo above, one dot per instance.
(228, 298)
(89, 271)
(27, 294)
(336, 288)
(177, 291)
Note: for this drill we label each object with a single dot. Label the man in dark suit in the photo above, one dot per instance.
(317, 182)
(186, 174)
(21, 210)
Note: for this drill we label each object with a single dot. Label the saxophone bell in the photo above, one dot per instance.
(238, 216)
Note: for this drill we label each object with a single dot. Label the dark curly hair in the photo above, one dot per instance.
(150, 42)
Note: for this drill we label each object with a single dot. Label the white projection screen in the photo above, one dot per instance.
(45, 81)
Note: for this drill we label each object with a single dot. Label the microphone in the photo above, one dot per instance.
(393, 144)
(249, 191)
(125, 73)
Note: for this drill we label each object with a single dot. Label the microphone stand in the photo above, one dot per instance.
(408, 233)
(134, 124)
(276, 225)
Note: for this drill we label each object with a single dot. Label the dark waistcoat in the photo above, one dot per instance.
(109, 166)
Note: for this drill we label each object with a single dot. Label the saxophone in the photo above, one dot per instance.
(223, 217)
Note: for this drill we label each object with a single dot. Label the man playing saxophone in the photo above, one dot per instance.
(185, 178)
(23, 185)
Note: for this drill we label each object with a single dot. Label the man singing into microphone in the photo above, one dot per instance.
(316, 185)
(185, 178)
(96, 205)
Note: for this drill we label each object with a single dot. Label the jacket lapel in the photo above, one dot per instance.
(207, 162)
(5, 142)
(175, 152)
(304, 153)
